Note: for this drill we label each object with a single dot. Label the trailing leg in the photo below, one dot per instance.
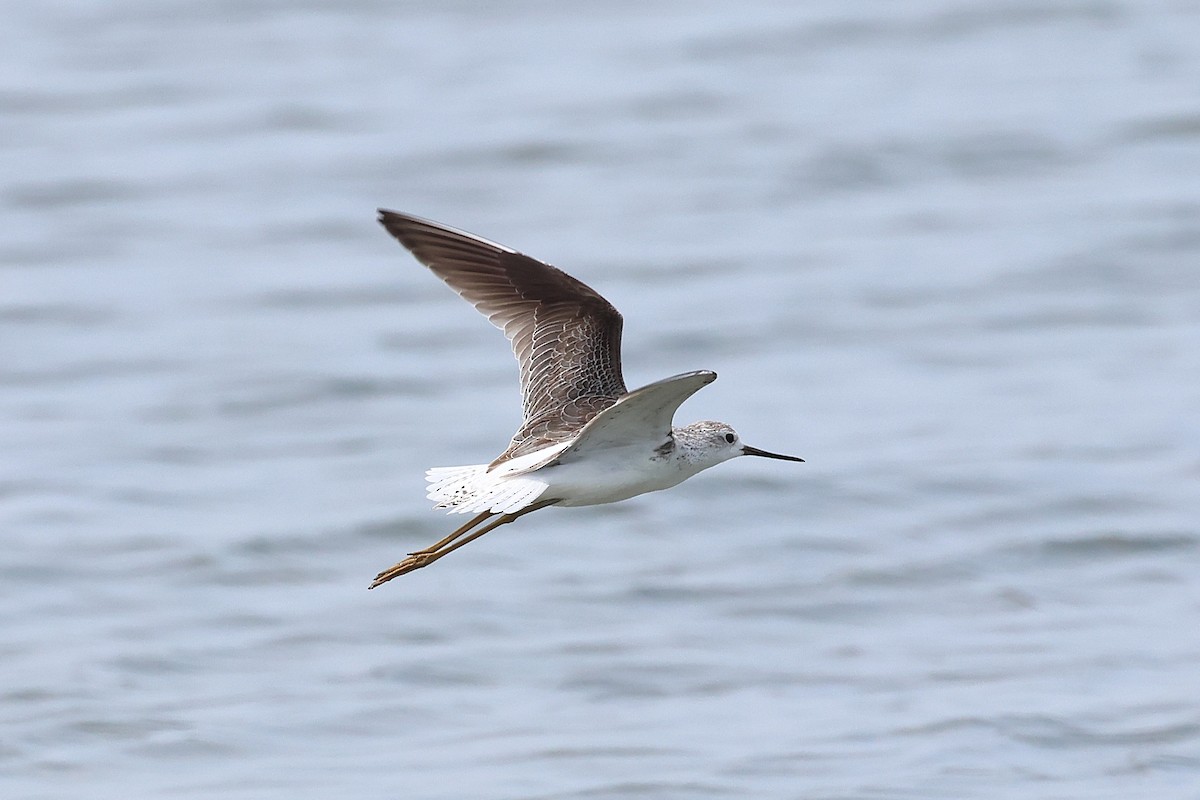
(423, 558)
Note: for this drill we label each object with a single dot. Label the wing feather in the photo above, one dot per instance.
(642, 418)
(565, 335)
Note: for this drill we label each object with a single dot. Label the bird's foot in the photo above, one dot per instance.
(414, 561)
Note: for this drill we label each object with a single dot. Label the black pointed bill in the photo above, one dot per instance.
(747, 450)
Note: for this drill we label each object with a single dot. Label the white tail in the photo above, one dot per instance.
(472, 489)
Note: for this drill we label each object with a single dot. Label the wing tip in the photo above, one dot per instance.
(696, 378)
(707, 375)
(405, 226)
(392, 221)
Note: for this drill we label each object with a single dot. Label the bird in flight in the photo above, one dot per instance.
(584, 440)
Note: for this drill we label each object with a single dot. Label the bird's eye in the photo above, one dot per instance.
(729, 437)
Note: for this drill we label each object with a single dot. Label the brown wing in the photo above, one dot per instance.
(566, 337)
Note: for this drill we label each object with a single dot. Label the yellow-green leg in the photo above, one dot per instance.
(425, 557)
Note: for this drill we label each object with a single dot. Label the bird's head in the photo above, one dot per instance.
(715, 442)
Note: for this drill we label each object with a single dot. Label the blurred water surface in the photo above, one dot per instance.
(949, 252)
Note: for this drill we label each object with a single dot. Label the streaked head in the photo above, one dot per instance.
(719, 442)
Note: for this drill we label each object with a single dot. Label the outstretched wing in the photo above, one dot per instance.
(642, 417)
(566, 337)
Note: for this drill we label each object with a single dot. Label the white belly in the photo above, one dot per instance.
(607, 476)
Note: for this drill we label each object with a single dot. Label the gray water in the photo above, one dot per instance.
(949, 252)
